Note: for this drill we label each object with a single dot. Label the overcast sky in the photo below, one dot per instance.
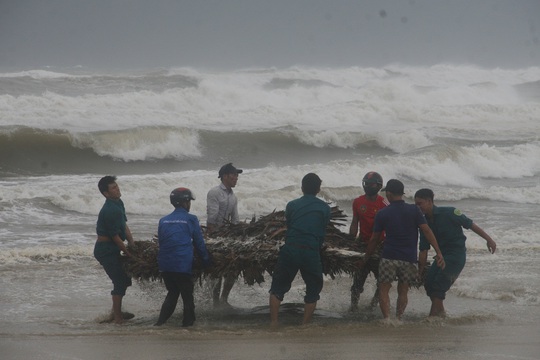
(226, 34)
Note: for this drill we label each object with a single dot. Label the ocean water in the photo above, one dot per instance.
(470, 134)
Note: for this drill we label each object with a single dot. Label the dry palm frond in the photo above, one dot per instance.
(251, 249)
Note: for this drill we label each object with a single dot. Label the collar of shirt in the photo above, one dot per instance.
(224, 188)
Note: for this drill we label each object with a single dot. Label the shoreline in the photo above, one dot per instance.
(503, 340)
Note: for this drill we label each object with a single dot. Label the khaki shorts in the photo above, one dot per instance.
(403, 271)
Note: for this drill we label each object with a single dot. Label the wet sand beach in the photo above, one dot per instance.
(60, 326)
(477, 341)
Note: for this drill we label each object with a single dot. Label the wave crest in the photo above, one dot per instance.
(142, 143)
(44, 254)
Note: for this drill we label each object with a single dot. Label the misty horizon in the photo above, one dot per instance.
(242, 34)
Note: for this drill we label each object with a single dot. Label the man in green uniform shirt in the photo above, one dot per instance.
(112, 230)
(307, 218)
(447, 224)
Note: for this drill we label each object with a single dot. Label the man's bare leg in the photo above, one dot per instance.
(384, 299)
(309, 309)
(216, 290)
(355, 297)
(228, 283)
(402, 300)
(117, 309)
(375, 298)
(274, 310)
(437, 307)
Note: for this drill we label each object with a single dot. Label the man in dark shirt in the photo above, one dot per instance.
(447, 223)
(306, 218)
(400, 222)
(112, 231)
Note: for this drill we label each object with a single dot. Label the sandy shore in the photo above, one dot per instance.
(428, 341)
(485, 321)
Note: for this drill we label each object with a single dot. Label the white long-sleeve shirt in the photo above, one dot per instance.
(221, 206)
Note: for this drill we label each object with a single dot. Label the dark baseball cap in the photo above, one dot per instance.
(229, 169)
(394, 186)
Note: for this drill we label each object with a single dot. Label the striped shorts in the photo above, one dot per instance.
(403, 271)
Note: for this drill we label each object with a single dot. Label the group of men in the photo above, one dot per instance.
(179, 234)
(388, 228)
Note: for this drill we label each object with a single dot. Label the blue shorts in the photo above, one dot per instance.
(439, 281)
(107, 253)
(292, 259)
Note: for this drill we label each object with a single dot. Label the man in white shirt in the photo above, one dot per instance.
(222, 208)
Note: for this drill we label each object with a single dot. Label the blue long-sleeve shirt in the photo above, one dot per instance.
(178, 233)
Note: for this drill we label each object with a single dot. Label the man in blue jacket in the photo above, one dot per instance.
(178, 233)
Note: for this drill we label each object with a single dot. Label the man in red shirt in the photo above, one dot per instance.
(364, 209)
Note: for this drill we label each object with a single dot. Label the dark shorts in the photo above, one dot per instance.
(360, 277)
(107, 254)
(439, 281)
(290, 261)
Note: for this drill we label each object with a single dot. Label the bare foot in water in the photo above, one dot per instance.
(110, 319)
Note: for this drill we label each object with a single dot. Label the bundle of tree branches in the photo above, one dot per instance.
(251, 249)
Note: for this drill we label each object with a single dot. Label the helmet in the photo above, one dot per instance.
(180, 195)
(370, 179)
